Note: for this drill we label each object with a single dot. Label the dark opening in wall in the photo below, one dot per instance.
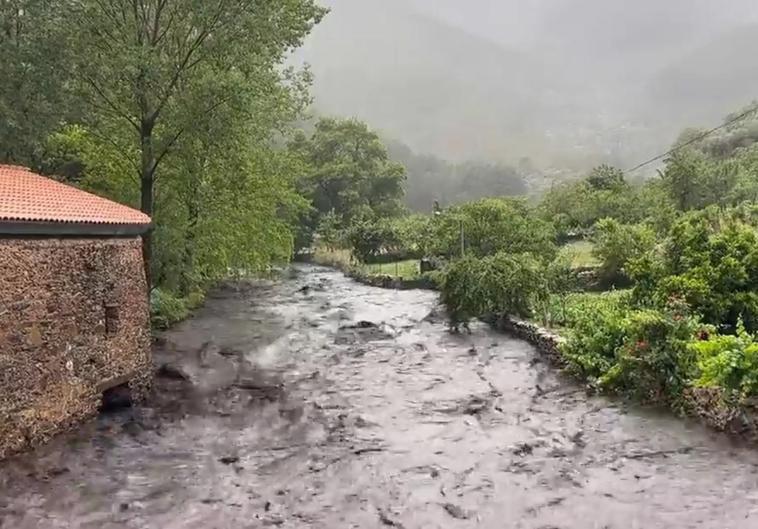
(111, 318)
(116, 398)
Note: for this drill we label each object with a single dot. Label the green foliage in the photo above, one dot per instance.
(502, 284)
(173, 107)
(606, 177)
(561, 281)
(574, 207)
(166, 309)
(368, 236)
(35, 59)
(729, 362)
(329, 230)
(414, 234)
(564, 309)
(561, 278)
(654, 363)
(347, 170)
(490, 226)
(682, 178)
(710, 260)
(728, 142)
(615, 244)
(643, 353)
(596, 332)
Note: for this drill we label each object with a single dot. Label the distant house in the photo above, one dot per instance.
(74, 316)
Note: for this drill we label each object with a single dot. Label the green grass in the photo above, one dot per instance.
(342, 259)
(336, 258)
(581, 254)
(562, 311)
(408, 269)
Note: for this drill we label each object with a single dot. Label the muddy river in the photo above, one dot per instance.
(317, 402)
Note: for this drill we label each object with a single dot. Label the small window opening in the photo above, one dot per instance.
(111, 318)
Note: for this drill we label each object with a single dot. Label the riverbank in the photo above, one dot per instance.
(708, 405)
(342, 261)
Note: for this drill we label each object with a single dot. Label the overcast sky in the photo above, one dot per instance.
(527, 23)
(498, 78)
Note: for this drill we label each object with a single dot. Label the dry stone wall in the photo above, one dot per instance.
(711, 406)
(74, 321)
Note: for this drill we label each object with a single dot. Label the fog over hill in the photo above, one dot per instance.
(566, 83)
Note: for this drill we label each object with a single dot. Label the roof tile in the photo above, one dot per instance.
(25, 196)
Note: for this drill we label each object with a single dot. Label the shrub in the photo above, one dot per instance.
(166, 309)
(615, 244)
(606, 177)
(710, 260)
(654, 363)
(729, 362)
(414, 235)
(562, 280)
(643, 353)
(369, 237)
(500, 285)
(493, 225)
(596, 332)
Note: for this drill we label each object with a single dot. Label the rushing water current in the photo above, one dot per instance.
(317, 402)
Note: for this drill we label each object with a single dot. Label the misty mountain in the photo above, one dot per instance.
(705, 84)
(438, 88)
(566, 83)
(431, 179)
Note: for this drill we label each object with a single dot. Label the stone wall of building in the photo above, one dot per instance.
(74, 322)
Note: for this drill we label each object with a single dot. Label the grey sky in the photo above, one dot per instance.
(561, 81)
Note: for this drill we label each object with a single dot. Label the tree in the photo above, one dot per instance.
(561, 280)
(329, 230)
(491, 225)
(415, 234)
(682, 178)
(368, 236)
(498, 285)
(615, 244)
(606, 177)
(151, 71)
(34, 59)
(349, 170)
(431, 179)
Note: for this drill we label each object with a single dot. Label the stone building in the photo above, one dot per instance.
(74, 314)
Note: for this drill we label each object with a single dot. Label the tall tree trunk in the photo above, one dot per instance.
(147, 181)
(193, 210)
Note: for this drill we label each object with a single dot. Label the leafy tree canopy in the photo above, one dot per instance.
(348, 171)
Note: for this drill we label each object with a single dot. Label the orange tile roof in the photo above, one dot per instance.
(25, 196)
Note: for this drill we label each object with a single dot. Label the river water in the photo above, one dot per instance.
(314, 401)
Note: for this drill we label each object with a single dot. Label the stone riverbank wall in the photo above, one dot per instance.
(709, 405)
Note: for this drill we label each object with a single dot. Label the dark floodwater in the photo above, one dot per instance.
(296, 414)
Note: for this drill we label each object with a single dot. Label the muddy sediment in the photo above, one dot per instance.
(318, 402)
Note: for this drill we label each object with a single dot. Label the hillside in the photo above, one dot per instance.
(703, 85)
(566, 83)
(437, 87)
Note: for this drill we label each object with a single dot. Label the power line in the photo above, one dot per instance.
(696, 139)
